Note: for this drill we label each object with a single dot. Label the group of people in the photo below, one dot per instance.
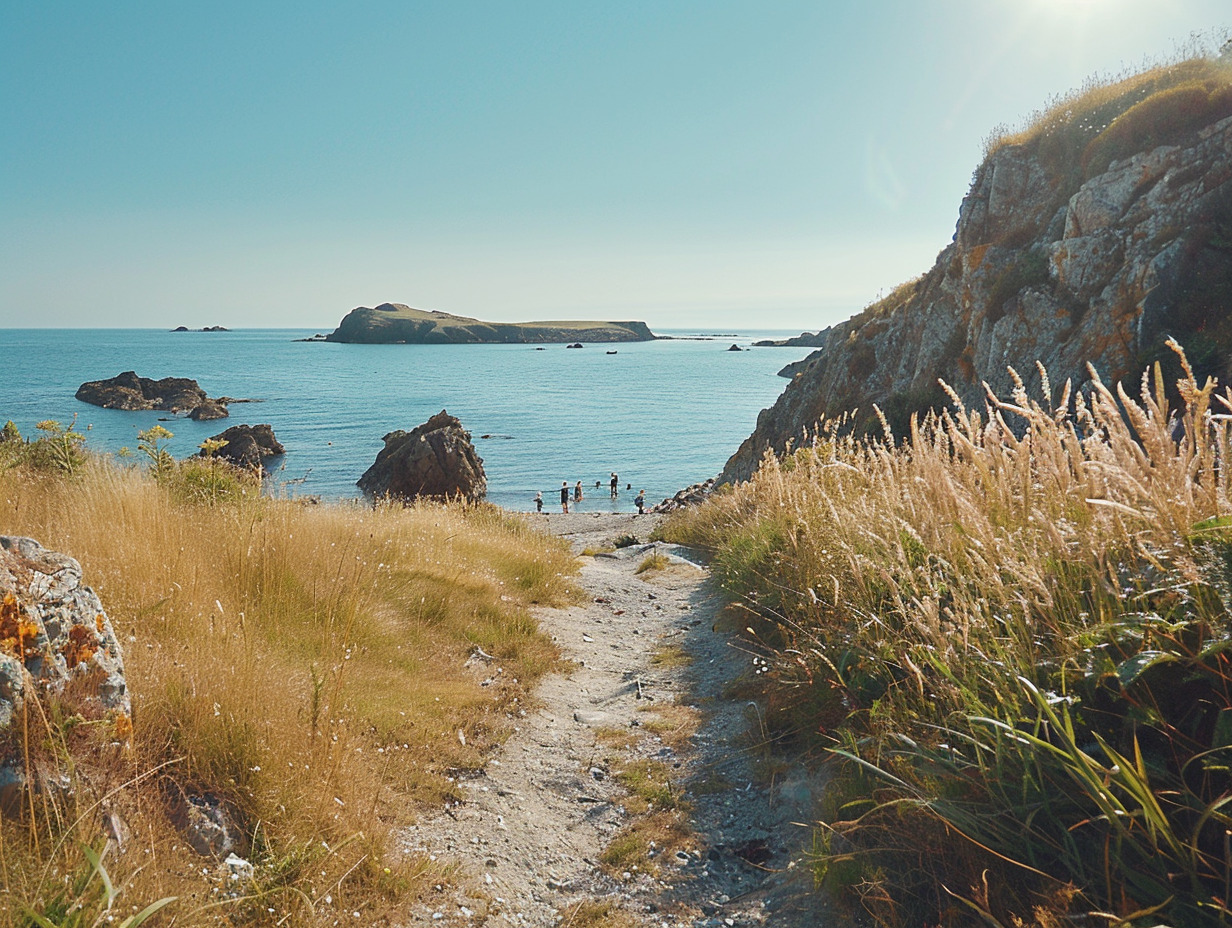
(614, 484)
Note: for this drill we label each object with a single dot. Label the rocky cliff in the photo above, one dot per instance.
(1090, 238)
(396, 323)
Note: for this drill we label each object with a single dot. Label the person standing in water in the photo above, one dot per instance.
(564, 496)
(577, 492)
(640, 502)
(539, 501)
(615, 485)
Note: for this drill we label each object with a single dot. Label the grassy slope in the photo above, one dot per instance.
(1014, 650)
(305, 664)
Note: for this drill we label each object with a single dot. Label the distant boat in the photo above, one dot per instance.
(611, 352)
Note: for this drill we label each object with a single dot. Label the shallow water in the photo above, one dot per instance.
(663, 414)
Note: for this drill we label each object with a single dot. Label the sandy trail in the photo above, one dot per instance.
(528, 837)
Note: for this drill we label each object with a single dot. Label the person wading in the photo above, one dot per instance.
(564, 496)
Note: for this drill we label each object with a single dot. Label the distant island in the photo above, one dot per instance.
(396, 323)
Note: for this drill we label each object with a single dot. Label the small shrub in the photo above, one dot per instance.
(151, 443)
(626, 541)
(1028, 270)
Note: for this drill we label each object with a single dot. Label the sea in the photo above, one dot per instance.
(663, 414)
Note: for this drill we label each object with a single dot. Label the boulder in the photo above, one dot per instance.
(435, 460)
(735, 348)
(247, 445)
(55, 639)
(689, 496)
(174, 394)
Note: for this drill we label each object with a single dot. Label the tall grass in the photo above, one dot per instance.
(306, 667)
(1010, 636)
(1076, 135)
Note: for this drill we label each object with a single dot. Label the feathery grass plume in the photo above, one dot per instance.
(1013, 635)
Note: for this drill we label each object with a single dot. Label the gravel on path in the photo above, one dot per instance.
(526, 841)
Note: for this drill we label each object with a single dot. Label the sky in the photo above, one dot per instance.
(768, 164)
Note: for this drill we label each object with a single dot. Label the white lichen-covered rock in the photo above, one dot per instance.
(55, 641)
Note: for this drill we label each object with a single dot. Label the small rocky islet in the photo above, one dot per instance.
(127, 391)
(397, 323)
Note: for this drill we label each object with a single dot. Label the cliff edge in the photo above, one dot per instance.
(1092, 236)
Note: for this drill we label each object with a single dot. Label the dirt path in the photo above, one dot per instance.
(529, 839)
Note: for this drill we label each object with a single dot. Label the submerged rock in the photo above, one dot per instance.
(436, 460)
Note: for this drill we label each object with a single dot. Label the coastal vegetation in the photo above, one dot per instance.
(1078, 134)
(314, 672)
(1092, 234)
(1007, 641)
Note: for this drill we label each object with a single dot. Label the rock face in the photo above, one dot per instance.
(435, 460)
(1059, 261)
(803, 340)
(55, 639)
(247, 445)
(174, 394)
(398, 323)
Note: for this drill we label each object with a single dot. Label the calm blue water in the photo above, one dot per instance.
(662, 414)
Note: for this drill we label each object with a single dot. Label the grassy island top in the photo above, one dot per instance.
(398, 323)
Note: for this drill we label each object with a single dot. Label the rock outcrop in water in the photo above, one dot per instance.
(435, 460)
(173, 394)
(55, 639)
(247, 446)
(397, 323)
(1092, 246)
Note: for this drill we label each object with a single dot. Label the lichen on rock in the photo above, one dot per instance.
(55, 640)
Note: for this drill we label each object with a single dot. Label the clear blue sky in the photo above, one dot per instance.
(767, 163)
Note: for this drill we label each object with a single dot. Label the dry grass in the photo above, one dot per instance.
(649, 844)
(596, 913)
(1077, 134)
(653, 561)
(672, 723)
(989, 624)
(307, 665)
(671, 657)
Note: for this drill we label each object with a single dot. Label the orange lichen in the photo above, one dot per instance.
(17, 632)
(122, 727)
(80, 647)
(975, 257)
